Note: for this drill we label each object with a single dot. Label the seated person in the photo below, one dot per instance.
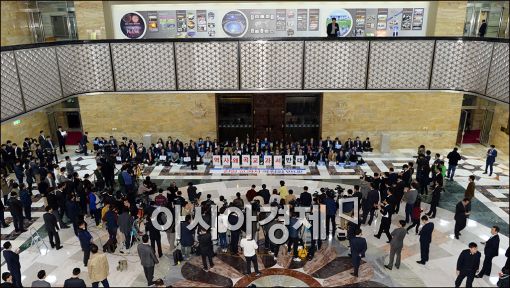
(353, 156)
(358, 145)
(341, 158)
(367, 147)
(207, 157)
(175, 158)
(186, 160)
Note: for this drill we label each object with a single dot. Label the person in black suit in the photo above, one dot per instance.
(7, 278)
(12, 260)
(83, 143)
(193, 155)
(41, 139)
(386, 212)
(467, 265)
(16, 209)
(50, 223)
(436, 196)
(370, 204)
(425, 239)
(358, 145)
(75, 280)
(305, 198)
(332, 28)
(367, 146)
(460, 216)
(490, 251)
(358, 250)
(61, 140)
(264, 193)
(483, 29)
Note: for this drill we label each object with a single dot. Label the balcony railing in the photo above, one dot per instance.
(38, 75)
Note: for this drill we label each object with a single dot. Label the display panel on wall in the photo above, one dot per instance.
(222, 20)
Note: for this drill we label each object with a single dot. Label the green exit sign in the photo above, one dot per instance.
(16, 122)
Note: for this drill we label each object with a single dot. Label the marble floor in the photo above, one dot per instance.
(330, 267)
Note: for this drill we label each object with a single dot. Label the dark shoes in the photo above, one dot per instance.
(387, 267)
(420, 262)
(378, 237)
(355, 275)
(60, 247)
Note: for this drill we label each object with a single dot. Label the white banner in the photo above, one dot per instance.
(277, 161)
(162, 157)
(300, 160)
(235, 161)
(225, 160)
(187, 159)
(255, 160)
(256, 171)
(268, 160)
(245, 160)
(216, 160)
(288, 160)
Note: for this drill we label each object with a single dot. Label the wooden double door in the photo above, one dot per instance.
(269, 116)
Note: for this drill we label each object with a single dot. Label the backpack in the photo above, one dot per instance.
(177, 256)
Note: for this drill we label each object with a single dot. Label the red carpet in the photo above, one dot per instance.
(73, 137)
(471, 137)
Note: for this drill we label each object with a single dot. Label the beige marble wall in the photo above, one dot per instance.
(447, 18)
(90, 19)
(29, 127)
(498, 137)
(14, 24)
(183, 116)
(410, 119)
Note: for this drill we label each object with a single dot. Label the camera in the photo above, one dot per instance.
(339, 189)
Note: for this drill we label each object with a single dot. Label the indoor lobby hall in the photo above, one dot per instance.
(331, 268)
(395, 112)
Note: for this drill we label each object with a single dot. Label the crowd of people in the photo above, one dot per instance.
(124, 207)
(201, 151)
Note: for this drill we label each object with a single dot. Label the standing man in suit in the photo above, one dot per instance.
(83, 143)
(436, 196)
(396, 244)
(425, 239)
(41, 139)
(467, 265)
(370, 204)
(491, 158)
(12, 260)
(305, 198)
(147, 258)
(358, 249)
(85, 241)
(460, 216)
(332, 28)
(490, 251)
(50, 223)
(61, 136)
(386, 212)
(483, 29)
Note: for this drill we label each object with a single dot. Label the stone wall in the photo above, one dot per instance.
(90, 18)
(446, 18)
(498, 137)
(183, 116)
(29, 127)
(409, 118)
(14, 24)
